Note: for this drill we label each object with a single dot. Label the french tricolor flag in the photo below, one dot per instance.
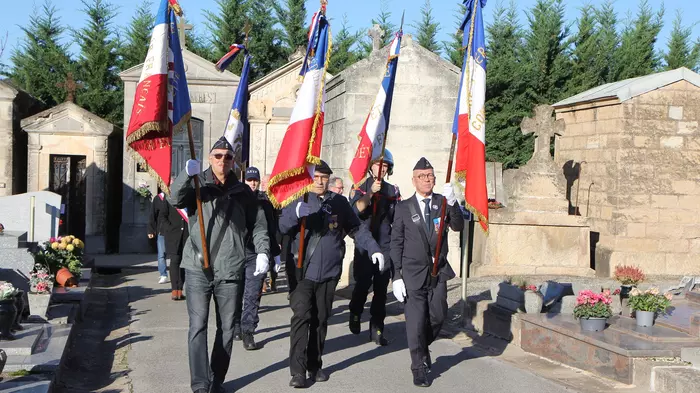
(376, 125)
(470, 116)
(292, 174)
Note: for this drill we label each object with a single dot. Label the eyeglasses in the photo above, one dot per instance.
(226, 157)
(425, 177)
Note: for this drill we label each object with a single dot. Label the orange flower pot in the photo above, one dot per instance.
(65, 278)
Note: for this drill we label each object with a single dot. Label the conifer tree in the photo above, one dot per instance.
(608, 40)
(427, 29)
(587, 61)
(506, 100)
(637, 56)
(292, 17)
(344, 52)
(138, 36)
(265, 42)
(226, 27)
(198, 45)
(97, 65)
(548, 67)
(453, 47)
(681, 51)
(42, 62)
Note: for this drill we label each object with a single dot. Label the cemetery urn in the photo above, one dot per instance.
(625, 291)
(8, 314)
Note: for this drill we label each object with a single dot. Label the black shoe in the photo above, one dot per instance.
(298, 381)
(318, 375)
(237, 333)
(377, 336)
(201, 391)
(420, 378)
(355, 327)
(289, 296)
(217, 388)
(249, 342)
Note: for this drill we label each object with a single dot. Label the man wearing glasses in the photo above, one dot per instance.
(328, 219)
(413, 241)
(335, 184)
(232, 219)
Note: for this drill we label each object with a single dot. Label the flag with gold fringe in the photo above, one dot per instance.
(292, 174)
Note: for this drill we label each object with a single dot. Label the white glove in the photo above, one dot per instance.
(399, 290)
(262, 263)
(192, 167)
(303, 209)
(449, 193)
(378, 258)
(278, 264)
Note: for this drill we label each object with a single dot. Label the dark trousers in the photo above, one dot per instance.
(177, 274)
(290, 269)
(425, 312)
(367, 275)
(200, 291)
(311, 304)
(249, 298)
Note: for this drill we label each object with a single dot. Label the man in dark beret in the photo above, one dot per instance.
(329, 218)
(233, 220)
(414, 239)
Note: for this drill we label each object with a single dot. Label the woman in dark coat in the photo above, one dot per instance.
(176, 233)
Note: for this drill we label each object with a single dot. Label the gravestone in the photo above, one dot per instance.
(15, 214)
(15, 261)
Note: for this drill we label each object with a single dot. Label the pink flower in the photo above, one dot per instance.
(668, 296)
(52, 239)
(617, 291)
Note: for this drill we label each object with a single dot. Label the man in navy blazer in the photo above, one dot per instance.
(413, 242)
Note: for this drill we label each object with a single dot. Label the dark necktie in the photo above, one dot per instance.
(426, 214)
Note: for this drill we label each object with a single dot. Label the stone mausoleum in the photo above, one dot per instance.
(631, 152)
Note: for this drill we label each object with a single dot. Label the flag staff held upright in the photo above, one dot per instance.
(448, 178)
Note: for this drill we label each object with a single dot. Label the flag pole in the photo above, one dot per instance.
(302, 227)
(380, 175)
(448, 178)
(200, 214)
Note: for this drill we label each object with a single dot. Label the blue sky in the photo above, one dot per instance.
(359, 12)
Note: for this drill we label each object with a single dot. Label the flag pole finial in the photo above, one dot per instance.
(246, 30)
(402, 17)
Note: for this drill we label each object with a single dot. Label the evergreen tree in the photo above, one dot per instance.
(265, 43)
(292, 17)
(681, 52)
(41, 62)
(384, 22)
(608, 41)
(453, 48)
(199, 46)
(226, 26)
(548, 67)
(636, 56)
(344, 53)
(588, 63)
(102, 94)
(506, 100)
(138, 37)
(427, 29)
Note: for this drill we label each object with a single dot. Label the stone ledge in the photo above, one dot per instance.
(675, 379)
(25, 340)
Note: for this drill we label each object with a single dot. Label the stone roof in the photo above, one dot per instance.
(629, 88)
(68, 119)
(199, 71)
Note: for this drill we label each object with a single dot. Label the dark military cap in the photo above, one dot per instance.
(222, 143)
(324, 168)
(422, 164)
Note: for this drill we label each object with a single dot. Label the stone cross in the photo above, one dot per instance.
(377, 35)
(69, 86)
(544, 127)
(182, 27)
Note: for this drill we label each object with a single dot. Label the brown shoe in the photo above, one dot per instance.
(265, 288)
(180, 296)
(173, 295)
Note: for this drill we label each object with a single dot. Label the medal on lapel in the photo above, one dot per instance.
(436, 222)
(332, 222)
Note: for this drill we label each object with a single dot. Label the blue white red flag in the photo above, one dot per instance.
(237, 131)
(470, 115)
(161, 102)
(374, 131)
(292, 174)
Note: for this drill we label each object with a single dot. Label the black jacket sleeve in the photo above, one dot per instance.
(397, 240)
(359, 233)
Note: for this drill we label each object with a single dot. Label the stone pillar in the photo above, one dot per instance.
(6, 109)
(34, 155)
(96, 214)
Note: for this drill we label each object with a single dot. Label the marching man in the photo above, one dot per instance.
(374, 202)
(414, 238)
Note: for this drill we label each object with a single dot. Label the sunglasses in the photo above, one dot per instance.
(219, 156)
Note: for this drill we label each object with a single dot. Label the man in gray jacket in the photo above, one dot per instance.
(232, 219)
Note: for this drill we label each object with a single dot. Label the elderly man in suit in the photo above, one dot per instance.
(414, 239)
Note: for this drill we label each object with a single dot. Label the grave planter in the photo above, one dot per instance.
(19, 304)
(533, 302)
(625, 291)
(644, 318)
(593, 324)
(65, 278)
(39, 303)
(8, 314)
